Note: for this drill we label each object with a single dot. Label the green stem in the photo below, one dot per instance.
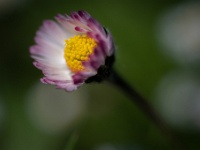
(144, 105)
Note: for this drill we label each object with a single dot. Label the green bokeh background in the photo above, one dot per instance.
(112, 118)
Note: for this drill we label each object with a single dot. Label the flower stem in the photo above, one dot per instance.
(144, 105)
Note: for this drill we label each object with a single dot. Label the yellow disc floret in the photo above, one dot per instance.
(77, 49)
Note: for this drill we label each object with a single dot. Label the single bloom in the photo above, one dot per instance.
(73, 50)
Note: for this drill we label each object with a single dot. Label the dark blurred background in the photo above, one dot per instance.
(158, 52)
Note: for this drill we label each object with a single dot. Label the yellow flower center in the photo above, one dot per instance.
(77, 49)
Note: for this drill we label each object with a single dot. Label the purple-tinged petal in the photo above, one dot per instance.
(37, 65)
(79, 29)
(95, 64)
(102, 45)
(74, 15)
(67, 86)
(78, 78)
(91, 34)
(67, 23)
(83, 14)
(111, 47)
(95, 25)
(46, 81)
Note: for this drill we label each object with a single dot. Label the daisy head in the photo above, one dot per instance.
(73, 50)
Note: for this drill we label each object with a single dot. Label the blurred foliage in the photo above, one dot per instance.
(111, 117)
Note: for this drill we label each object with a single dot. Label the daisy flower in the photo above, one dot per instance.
(73, 50)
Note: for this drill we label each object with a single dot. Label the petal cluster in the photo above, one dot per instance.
(50, 49)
